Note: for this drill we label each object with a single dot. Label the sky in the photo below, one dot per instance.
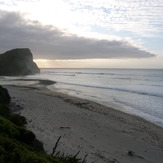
(85, 33)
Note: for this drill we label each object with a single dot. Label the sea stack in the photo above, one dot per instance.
(17, 62)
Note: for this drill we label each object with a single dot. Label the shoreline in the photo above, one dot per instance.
(44, 83)
(105, 134)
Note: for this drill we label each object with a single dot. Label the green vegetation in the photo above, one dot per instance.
(18, 144)
(4, 96)
(4, 110)
(18, 120)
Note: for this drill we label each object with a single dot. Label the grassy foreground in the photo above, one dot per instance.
(18, 144)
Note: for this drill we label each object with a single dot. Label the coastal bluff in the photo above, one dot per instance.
(17, 62)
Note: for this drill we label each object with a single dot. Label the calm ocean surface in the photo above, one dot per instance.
(139, 91)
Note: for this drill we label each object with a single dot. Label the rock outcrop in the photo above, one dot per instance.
(17, 62)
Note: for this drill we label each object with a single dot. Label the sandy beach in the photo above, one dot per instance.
(103, 134)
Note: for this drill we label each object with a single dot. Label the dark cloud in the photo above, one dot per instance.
(48, 42)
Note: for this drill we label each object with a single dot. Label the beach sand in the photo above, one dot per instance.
(105, 134)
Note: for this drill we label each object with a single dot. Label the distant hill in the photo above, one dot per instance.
(17, 62)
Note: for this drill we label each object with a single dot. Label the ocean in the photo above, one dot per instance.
(135, 91)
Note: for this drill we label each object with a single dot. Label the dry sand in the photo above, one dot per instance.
(105, 134)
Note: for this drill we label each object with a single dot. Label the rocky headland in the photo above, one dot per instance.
(17, 62)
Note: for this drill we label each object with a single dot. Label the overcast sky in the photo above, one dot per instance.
(87, 33)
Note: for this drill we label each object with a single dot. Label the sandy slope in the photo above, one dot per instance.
(105, 134)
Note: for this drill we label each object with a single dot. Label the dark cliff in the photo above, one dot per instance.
(17, 62)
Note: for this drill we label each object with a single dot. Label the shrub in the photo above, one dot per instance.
(18, 120)
(26, 136)
(8, 129)
(4, 96)
(13, 152)
(38, 146)
(4, 110)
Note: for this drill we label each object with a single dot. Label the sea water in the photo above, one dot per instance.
(137, 91)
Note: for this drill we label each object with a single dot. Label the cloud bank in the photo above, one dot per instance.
(48, 42)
